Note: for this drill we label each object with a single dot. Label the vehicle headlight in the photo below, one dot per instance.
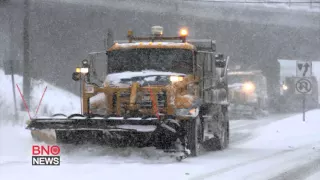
(248, 87)
(193, 112)
(284, 87)
(82, 70)
(176, 78)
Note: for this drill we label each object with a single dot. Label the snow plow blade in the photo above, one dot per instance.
(87, 123)
(113, 131)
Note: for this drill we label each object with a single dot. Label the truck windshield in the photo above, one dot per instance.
(170, 60)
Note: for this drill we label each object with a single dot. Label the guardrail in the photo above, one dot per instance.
(307, 4)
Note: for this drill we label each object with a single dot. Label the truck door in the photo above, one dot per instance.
(98, 62)
(205, 71)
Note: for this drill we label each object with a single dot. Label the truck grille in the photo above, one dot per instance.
(145, 101)
(237, 97)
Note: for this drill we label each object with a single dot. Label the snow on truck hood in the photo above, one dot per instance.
(115, 78)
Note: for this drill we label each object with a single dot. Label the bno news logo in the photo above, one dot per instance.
(45, 155)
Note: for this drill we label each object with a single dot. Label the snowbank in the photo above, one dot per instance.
(15, 144)
(288, 133)
(315, 176)
(54, 101)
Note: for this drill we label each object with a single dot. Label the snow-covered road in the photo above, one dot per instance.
(275, 147)
(280, 150)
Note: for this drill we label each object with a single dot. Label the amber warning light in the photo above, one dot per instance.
(183, 32)
(45, 155)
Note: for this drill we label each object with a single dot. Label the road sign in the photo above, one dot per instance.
(304, 69)
(303, 86)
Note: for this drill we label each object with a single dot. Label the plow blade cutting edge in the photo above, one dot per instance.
(88, 123)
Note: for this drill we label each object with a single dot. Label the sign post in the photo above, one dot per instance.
(303, 82)
(304, 108)
(14, 94)
(12, 67)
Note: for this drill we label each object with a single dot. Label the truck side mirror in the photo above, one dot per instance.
(76, 76)
(213, 46)
(220, 62)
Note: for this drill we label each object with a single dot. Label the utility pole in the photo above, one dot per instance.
(12, 59)
(26, 53)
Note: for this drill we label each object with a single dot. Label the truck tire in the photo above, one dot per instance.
(227, 130)
(220, 142)
(195, 133)
(223, 141)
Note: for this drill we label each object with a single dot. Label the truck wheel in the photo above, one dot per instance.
(194, 136)
(221, 139)
(227, 135)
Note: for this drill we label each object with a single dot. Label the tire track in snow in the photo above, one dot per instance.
(255, 160)
(229, 168)
(251, 124)
(243, 130)
(300, 172)
(285, 165)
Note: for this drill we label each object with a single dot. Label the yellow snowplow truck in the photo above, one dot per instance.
(248, 95)
(166, 92)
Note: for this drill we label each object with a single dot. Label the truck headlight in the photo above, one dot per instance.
(82, 70)
(248, 87)
(284, 87)
(176, 78)
(193, 112)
